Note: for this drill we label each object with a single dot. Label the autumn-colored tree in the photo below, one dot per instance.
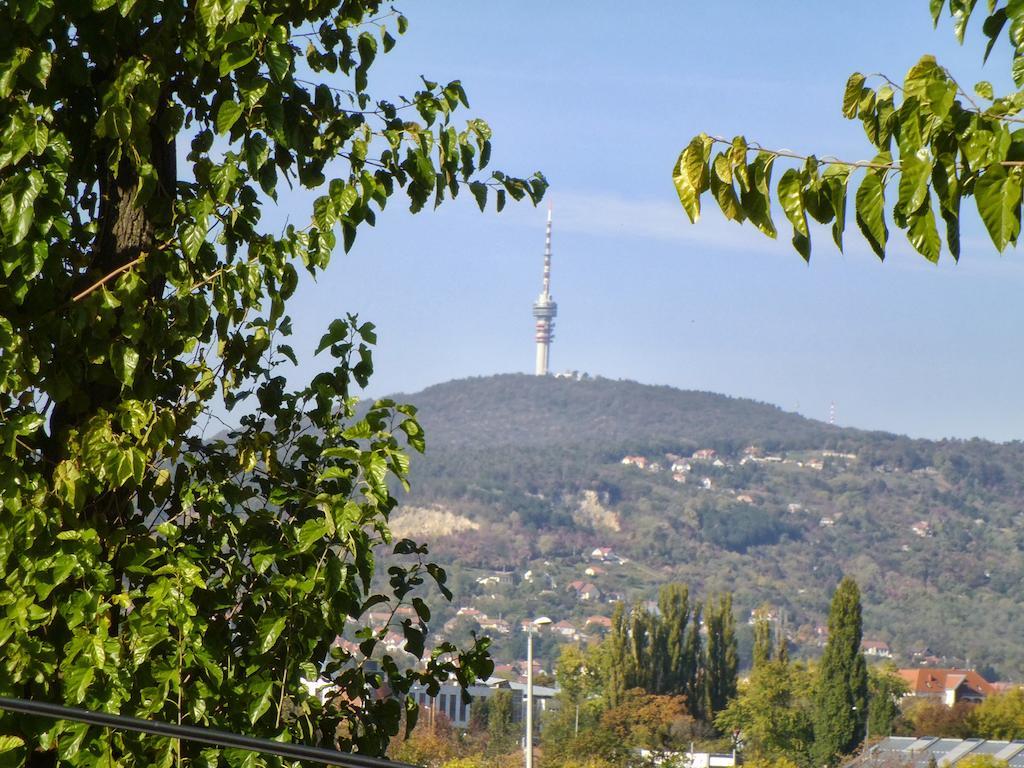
(432, 744)
(1000, 716)
(931, 717)
(650, 721)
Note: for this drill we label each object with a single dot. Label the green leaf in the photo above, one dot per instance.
(234, 57)
(692, 175)
(124, 358)
(835, 180)
(227, 114)
(8, 742)
(268, 630)
(312, 531)
(922, 233)
(952, 232)
(935, 6)
(193, 236)
(279, 60)
(870, 207)
(998, 195)
(77, 680)
(851, 96)
(913, 186)
(790, 191)
(16, 206)
(1017, 70)
(992, 27)
(723, 191)
(479, 190)
(337, 331)
(984, 89)
(261, 703)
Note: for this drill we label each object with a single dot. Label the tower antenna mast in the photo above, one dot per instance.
(545, 309)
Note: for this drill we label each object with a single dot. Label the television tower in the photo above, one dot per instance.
(545, 309)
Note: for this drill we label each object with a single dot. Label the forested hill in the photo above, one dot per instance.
(522, 470)
(516, 409)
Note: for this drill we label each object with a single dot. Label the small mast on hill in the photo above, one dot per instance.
(545, 309)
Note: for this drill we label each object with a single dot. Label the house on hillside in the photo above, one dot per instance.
(949, 686)
(584, 590)
(706, 454)
(922, 528)
(565, 629)
(877, 648)
(498, 577)
(635, 461)
(500, 626)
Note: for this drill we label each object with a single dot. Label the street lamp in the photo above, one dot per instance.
(531, 628)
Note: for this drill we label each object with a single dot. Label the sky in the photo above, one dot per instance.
(601, 97)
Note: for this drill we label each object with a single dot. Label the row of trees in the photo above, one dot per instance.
(655, 682)
(806, 715)
(663, 651)
(652, 684)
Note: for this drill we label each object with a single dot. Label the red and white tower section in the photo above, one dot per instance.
(545, 309)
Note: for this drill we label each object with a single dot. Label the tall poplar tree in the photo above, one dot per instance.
(763, 643)
(721, 660)
(841, 694)
(672, 656)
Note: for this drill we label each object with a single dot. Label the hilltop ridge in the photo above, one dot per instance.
(529, 470)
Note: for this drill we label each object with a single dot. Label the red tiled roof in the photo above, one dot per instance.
(924, 681)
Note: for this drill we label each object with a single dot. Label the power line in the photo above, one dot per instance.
(201, 735)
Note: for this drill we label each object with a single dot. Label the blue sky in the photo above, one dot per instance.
(601, 96)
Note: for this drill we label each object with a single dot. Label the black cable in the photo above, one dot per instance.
(201, 735)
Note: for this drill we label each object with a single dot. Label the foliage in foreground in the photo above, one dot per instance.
(936, 144)
(146, 570)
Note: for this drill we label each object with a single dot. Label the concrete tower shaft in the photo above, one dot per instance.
(545, 309)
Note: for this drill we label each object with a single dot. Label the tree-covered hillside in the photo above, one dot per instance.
(526, 473)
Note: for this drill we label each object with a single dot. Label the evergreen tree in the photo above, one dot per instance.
(842, 688)
(617, 656)
(722, 660)
(674, 605)
(693, 674)
(639, 665)
(763, 644)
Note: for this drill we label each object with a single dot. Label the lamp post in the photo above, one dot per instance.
(530, 629)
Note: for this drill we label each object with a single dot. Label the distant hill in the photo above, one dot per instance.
(521, 471)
